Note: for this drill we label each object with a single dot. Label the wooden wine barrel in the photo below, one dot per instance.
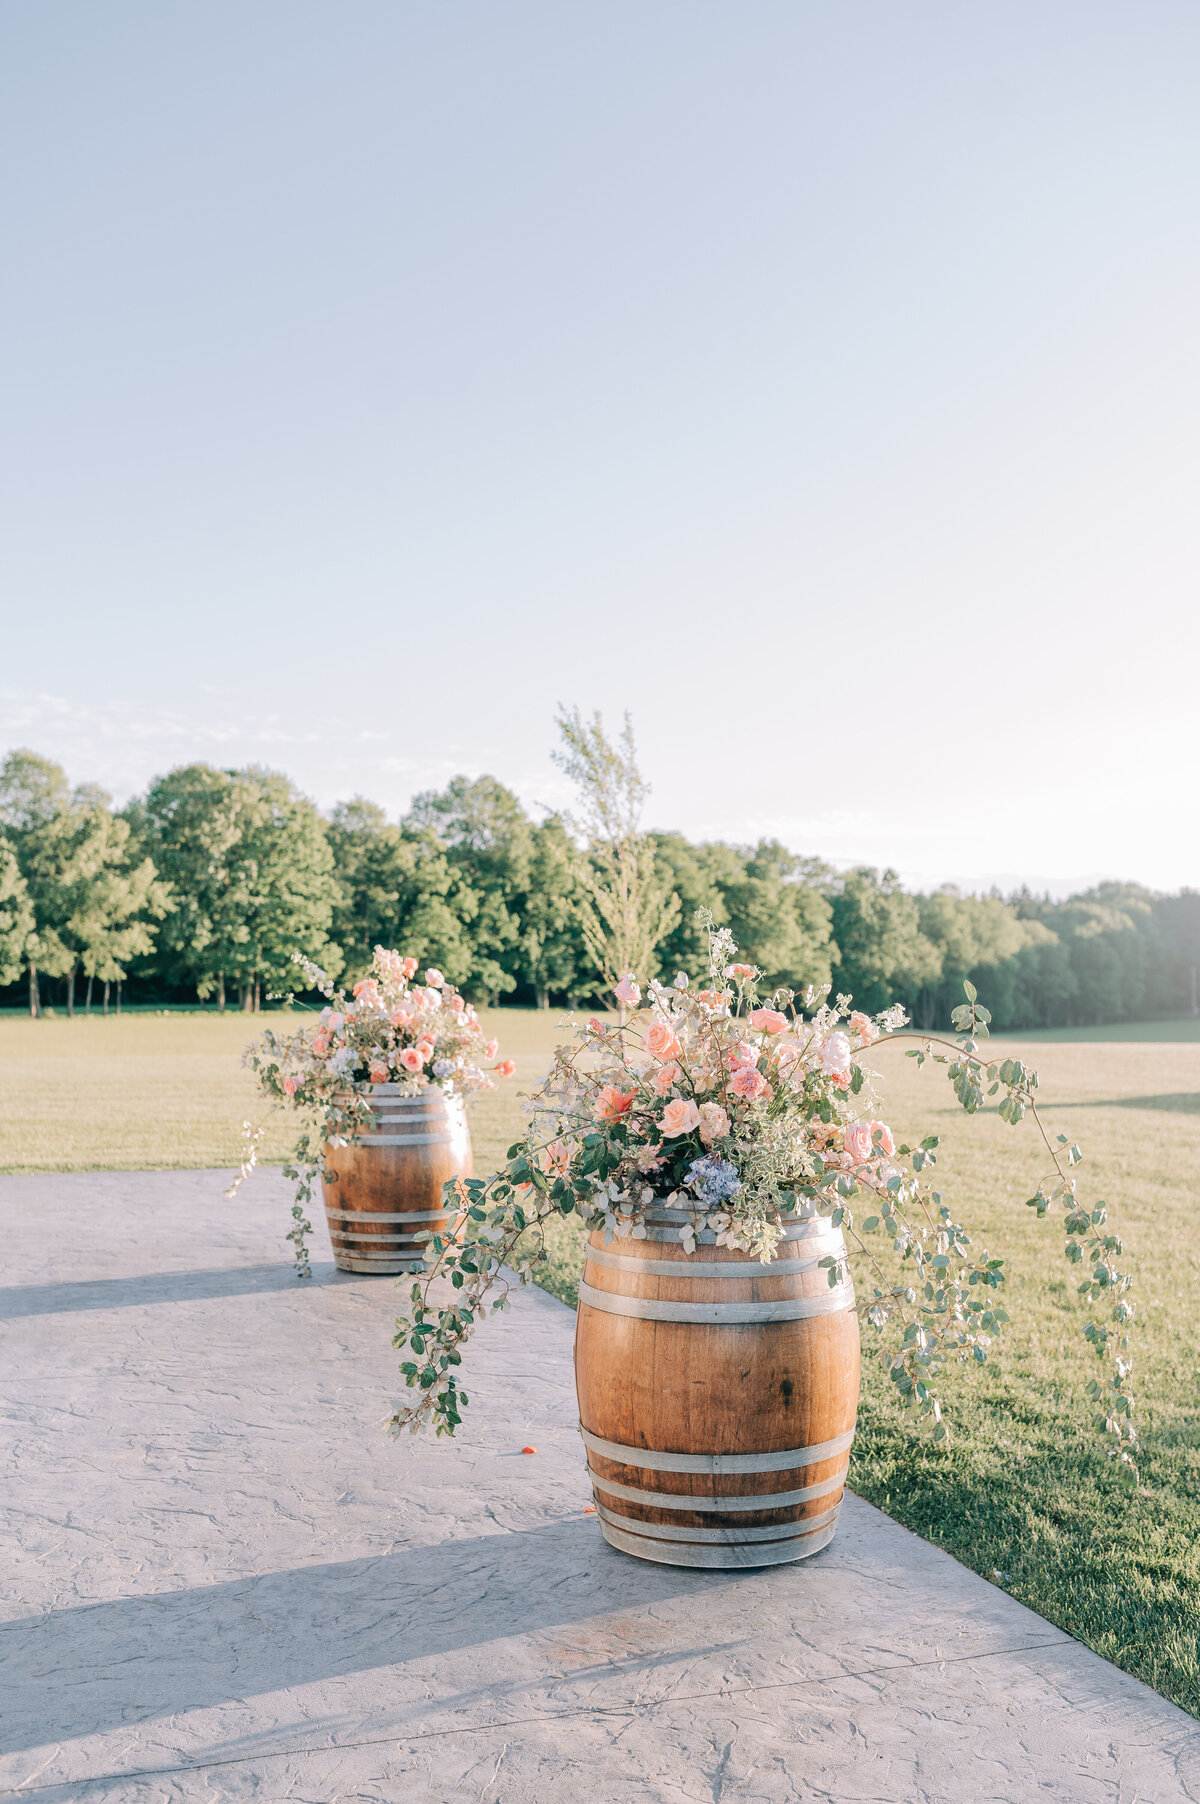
(717, 1396)
(388, 1181)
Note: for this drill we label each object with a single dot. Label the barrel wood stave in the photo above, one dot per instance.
(386, 1189)
(750, 1396)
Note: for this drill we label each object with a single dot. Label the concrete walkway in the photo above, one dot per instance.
(231, 1585)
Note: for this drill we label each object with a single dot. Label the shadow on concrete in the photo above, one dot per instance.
(159, 1287)
(110, 1665)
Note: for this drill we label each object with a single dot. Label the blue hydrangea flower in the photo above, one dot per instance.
(443, 1067)
(714, 1180)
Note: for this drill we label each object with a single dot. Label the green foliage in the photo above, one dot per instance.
(252, 875)
(92, 899)
(16, 915)
(242, 871)
(619, 1125)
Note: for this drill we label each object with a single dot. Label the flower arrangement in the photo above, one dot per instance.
(743, 1110)
(391, 1030)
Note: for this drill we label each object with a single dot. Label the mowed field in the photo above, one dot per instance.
(1025, 1494)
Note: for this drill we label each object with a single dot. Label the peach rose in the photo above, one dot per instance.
(491, 1049)
(555, 1159)
(881, 1139)
(408, 966)
(378, 1074)
(748, 1082)
(434, 979)
(835, 1055)
(627, 990)
(679, 1117)
(424, 1049)
(665, 1076)
(767, 1021)
(660, 1042)
(506, 1068)
(321, 1043)
(411, 1059)
(597, 1026)
(863, 1026)
(612, 1103)
(714, 1122)
(291, 1085)
(745, 972)
(857, 1141)
(741, 1054)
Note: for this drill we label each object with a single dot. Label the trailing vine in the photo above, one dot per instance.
(741, 1112)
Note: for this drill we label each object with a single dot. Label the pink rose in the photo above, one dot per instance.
(506, 1068)
(660, 1042)
(291, 1085)
(748, 1082)
(665, 1076)
(434, 979)
(597, 1026)
(378, 1074)
(491, 1049)
(745, 972)
(400, 1017)
(411, 1059)
(881, 1139)
(612, 1103)
(679, 1117)
(424, 1050)
(767, 1021)
(627, 990)
(864, 1027)
(857, 1141)
(835, 1055)
(321, 1043)
(741, 1054)
(408, 966)
(714, 1122)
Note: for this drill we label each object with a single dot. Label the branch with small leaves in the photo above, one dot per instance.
(739, 1112)
(975, 1079)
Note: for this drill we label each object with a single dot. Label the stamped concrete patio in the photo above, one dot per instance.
(229, 1584)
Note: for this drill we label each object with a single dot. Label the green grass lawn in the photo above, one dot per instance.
(1025, 1495)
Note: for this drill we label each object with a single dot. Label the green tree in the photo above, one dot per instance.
(35, 806)
(488, 839)
(882, 955)
(552, 958)
(699, 876)
(250, 865)
(625, 906)
(16, 916)
(398, 888)
(90, 898)
(780, 916)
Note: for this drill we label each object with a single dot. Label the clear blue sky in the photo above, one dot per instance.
(820, 382)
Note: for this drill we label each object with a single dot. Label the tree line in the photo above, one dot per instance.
(206, 885)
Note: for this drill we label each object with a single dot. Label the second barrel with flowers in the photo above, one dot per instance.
(383, 1190)
(717, 1395)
